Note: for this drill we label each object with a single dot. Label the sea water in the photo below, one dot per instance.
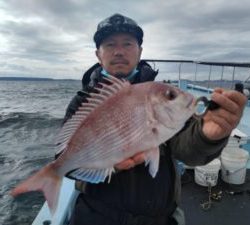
(31, 114)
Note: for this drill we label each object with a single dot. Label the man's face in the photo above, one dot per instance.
(119, 54)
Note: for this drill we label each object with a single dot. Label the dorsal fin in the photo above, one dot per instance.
(95, 100)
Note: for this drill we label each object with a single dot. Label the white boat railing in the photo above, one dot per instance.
(67, 198)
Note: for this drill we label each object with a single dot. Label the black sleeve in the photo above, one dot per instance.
(192, 147)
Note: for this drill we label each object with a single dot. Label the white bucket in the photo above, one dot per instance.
(233, 164)
(208, 174)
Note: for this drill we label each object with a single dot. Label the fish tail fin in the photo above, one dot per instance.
(45, 180)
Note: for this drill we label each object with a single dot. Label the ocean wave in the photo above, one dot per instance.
(20, 119)
(6, 117)
(23, 133)
(27, 144)
(30, 117)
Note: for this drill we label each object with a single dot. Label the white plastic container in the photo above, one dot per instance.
(208, 174)
(233, 165)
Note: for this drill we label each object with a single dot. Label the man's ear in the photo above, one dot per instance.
(97, 53)
(140, 51)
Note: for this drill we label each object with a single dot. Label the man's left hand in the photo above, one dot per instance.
(131, 162)
(219, 123)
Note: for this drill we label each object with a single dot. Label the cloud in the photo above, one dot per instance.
(55, 38)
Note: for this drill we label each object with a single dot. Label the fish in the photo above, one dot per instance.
(117, 121)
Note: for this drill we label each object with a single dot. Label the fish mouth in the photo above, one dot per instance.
(191, 101)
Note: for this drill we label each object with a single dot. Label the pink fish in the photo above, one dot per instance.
(116, 123)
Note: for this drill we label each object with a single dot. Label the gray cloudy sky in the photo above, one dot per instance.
(53, 38)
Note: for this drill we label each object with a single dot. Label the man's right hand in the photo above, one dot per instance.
(131, 162)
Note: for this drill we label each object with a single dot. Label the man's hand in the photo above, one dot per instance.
(131, 162)
(219, 123)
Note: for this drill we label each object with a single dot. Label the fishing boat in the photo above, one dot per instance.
(199, 78)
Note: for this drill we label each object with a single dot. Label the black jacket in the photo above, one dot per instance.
(133, 196)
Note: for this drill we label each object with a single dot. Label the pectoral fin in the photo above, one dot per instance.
(92, 175)
(152, 158)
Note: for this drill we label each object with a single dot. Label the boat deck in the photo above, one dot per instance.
(232, 209)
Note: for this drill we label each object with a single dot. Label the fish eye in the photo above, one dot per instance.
(170, 94)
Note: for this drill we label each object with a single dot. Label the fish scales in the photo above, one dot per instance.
(118, 119)
(116, 123)
(115, 142)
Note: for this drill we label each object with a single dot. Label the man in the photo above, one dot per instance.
(133, 196)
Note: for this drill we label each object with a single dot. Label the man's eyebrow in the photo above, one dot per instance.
(129, 39)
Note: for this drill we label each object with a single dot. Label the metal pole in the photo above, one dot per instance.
(247, 79)
(180, 75)
(209, 77)
(195, 75)
(232, 85)
(221, 78)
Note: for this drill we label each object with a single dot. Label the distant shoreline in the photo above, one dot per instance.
(32, 79)
(204, 83)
